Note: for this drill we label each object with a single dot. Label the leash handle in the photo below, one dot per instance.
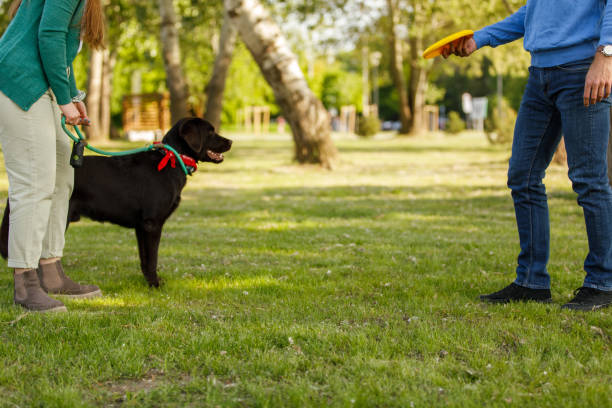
(76, 128)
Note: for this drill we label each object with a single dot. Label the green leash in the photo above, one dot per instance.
(76, 158)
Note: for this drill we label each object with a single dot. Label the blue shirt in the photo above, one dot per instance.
(556, 31)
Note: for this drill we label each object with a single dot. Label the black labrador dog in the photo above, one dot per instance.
(132, 191)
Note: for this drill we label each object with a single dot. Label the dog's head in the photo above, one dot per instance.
(197, 139)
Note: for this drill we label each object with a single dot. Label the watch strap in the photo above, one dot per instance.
(606, 50)
(80, 97)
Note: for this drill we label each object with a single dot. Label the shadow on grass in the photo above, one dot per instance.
(347, 202)
(259, 236)
(383, 147)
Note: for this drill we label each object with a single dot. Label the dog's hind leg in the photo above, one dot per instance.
(148, 244)
(4, 231)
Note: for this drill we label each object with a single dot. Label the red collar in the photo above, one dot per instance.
(190, 163)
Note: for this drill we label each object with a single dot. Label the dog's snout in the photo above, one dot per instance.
(225, 142)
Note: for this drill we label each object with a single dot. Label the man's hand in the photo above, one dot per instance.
(463, 47)
(598, 84)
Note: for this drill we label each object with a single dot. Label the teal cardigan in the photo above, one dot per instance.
(37, 50)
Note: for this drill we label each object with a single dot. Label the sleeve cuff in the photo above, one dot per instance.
(604, 41)
(481, 38)
(62, 95)
(74, 92)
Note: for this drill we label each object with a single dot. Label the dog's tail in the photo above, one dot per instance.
(4, 231)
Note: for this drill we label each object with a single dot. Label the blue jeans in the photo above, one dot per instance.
(553, 105)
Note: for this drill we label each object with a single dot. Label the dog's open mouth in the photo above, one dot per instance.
(217, 157)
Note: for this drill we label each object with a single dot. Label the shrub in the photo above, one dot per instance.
(500, 130)
(368, 126)
(454, 124)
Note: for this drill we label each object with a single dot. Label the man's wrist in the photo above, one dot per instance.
(605, 50)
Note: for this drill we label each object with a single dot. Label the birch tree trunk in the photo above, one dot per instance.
(110, 58)
(94, 95)
(175, 79)
(306, 115)
(99, 91)
(397, 67)
(216, 86)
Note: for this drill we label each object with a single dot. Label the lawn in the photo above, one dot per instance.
(295, 286)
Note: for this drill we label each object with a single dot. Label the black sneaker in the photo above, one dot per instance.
(589, 299)
(516, 293)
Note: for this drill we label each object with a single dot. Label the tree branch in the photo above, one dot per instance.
(510, 10)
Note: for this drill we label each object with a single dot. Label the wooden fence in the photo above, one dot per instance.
(146, 113)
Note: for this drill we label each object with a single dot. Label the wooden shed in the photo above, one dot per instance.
(146, 116)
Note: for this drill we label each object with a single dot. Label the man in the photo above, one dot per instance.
(568, 92)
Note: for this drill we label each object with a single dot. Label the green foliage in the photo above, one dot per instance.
(368, 126)
(500, 128)
(4, 16)
(133, 40)
(434, 94)
(245, 87)
(455, 124)
(514, 87)
(341, 88)
(198, 29)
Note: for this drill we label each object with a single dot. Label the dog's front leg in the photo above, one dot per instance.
(148, 236)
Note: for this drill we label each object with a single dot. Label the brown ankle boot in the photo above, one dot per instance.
(30, 295)
(54, 281)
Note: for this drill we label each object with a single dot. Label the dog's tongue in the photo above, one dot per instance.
(214, 156)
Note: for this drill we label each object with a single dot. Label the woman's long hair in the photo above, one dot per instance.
(92, 24)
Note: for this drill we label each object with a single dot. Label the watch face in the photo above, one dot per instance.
(607, 50)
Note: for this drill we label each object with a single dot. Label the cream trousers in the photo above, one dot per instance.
(37, 159)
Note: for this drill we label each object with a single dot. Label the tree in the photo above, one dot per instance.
(306, 115)
(216, 86)
(397, 65)
(94, 95)
(175, 80)
(101, 69)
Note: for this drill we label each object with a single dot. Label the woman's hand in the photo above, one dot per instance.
(83, 111)
(463, 47)
(72, 114)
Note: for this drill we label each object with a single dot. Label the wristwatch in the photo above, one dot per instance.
(606, 50)
(80, 97)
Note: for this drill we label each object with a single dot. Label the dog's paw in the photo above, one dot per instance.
(155, 283)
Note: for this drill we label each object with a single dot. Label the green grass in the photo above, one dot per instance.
(295, 286)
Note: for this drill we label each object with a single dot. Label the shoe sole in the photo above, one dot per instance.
(58, 309)
(581, 308)
(505, 301)
(89, 295)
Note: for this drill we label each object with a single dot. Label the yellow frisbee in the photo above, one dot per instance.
(436, 49)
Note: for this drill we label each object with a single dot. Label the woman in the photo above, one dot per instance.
(37, 87)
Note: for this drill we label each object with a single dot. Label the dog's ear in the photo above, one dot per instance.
(190, 132)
